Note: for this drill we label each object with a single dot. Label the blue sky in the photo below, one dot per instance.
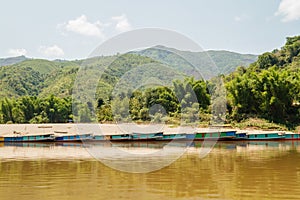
(72, 30)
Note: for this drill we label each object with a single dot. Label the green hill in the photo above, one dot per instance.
(227, 61)
(37, 77)
(31, 77)
(208, 63)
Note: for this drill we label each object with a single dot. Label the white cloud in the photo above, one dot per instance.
(51, 51)
(237, 19)
(82, 26)
(17, 52)
(122, 23)
(289, 9)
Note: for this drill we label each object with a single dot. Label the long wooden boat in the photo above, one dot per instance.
(190, 136)
(146, 136)
(67, 137)
(229, 134)
(292, 136)
(215, 135)
(174, 136)
(26, 137)
(264, 135)
(241, 136)
(121, 137)
(101, 137)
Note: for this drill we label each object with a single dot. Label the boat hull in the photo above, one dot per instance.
(217, 135)
(73, 138)
(121, 138)
(146, 136)
(292, 136)
(28, 138)
(177, 136)
(261, 136)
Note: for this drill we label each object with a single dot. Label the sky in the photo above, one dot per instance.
(72, 30)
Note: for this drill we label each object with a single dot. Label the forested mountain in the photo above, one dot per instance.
(12, 60)
(37, 77)
(227, 61)
(31, 77)
(209, 63)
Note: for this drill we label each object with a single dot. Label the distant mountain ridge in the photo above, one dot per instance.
(227, 61)
(210, 63)
(12, 60)
(21, 76)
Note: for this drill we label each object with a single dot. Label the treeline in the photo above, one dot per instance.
(187, 99)
(35, 110)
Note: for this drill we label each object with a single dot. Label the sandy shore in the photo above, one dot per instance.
(101, 129)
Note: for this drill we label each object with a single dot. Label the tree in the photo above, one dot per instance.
(6, 109)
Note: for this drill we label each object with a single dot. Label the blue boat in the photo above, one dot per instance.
(190, 136)
(99, 138)
(241, 136)
(106, 137)
(65, 137)
(174, 136)
(146, 136)
(122, 137)
(292, 136)
(215, 135)
(26, 137)
(230, 134)
(265, 135)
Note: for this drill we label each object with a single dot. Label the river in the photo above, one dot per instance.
(231, 170)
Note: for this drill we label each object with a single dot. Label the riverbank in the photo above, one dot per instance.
(100, 129)
(110, 129)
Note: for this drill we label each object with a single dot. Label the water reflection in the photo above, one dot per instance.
(232, 170)
(76, 150)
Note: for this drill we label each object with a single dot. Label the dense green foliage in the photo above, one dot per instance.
(187, 99)
(269, 88)
(155, 104)
(35, 110)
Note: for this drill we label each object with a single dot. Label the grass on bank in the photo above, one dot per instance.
(258, 124)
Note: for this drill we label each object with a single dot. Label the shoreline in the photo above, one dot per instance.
(108, 128)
